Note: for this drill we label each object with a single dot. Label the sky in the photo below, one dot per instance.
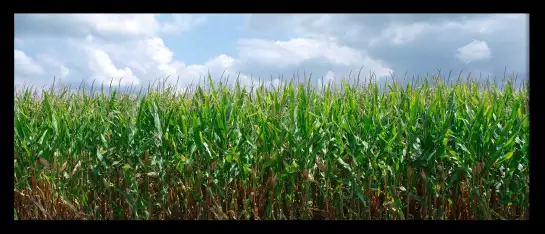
(137, 49)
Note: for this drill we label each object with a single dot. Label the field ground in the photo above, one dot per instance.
(451, 150)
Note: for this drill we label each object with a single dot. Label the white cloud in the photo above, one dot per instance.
(401, 34)
(111, 27)
(155, 47)
(129, 25)
(104, 69)
(133, 45)
(397, 29)
(328, 27)
(182, 23)
(25, 65)
(217, 66)
(221, 62)
(398, 32)
(298, 50)
(330, 76)
(152, 59)
(484, 25)
(103, 46)
(64, 71)
(474, 51)
(412, 42)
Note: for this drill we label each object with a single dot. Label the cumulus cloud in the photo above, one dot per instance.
(108, 26)
(111, 27)
(332, 27)
(417, 43)
(298, 51)
(122, 49)
(104, 69)
(101, 47)
(181, 23)
(64, 71)
(474, 51)
(329, 76)
(139, 49)
(401, 34)
(25, 65)
(294, 51)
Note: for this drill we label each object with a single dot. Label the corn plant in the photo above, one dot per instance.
(426, 149)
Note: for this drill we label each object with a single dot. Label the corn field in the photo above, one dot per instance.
(424, 150)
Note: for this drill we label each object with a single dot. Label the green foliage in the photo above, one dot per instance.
(431, 151)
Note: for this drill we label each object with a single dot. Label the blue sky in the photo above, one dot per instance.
(143, 47)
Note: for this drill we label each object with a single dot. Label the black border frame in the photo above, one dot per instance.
(273, 7)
